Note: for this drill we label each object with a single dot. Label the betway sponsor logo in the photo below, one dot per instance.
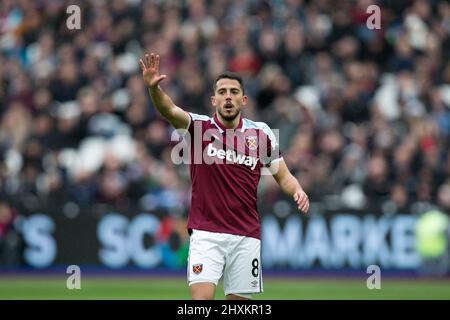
(232, 156)
(194, 147)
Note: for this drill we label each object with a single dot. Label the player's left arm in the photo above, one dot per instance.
(289, 184)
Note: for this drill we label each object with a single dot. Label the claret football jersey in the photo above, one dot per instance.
(225, 167)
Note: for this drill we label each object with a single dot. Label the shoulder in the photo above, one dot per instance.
(199, 120)
(198, 117)
(250, 124)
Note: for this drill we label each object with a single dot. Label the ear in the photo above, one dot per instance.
(244, 100)
(213, 101)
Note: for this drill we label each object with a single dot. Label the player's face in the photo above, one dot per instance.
(228, 98)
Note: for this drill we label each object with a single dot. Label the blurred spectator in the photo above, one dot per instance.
(9, 238)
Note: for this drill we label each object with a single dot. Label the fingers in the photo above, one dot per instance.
(142, 64)
(160, 78)
(302, 201)
(150, 61)
(305, 206)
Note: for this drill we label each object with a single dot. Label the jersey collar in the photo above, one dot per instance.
(221, 127)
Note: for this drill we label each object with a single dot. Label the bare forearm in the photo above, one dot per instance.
(161, 101)
(290, 185)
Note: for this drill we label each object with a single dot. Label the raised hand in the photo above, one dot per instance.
(150, 70)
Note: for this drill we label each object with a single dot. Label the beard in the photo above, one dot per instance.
(229, 116)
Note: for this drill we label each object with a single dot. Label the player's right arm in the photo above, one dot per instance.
(177, 117)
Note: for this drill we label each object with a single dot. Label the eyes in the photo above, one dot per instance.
(222, 92)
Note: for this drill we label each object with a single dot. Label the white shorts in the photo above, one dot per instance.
(236, 258)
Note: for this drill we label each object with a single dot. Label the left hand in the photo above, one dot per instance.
(301, 198)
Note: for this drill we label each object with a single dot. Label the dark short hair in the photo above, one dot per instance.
(229, 75)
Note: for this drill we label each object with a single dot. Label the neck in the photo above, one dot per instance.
(233, 124)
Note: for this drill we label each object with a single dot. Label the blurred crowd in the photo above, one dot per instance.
(364, 115)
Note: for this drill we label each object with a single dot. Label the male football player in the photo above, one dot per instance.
(223, 221)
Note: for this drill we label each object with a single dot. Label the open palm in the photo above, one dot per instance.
(150, 70)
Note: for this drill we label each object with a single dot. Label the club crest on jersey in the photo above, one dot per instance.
(197, 268)
(251, 142)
